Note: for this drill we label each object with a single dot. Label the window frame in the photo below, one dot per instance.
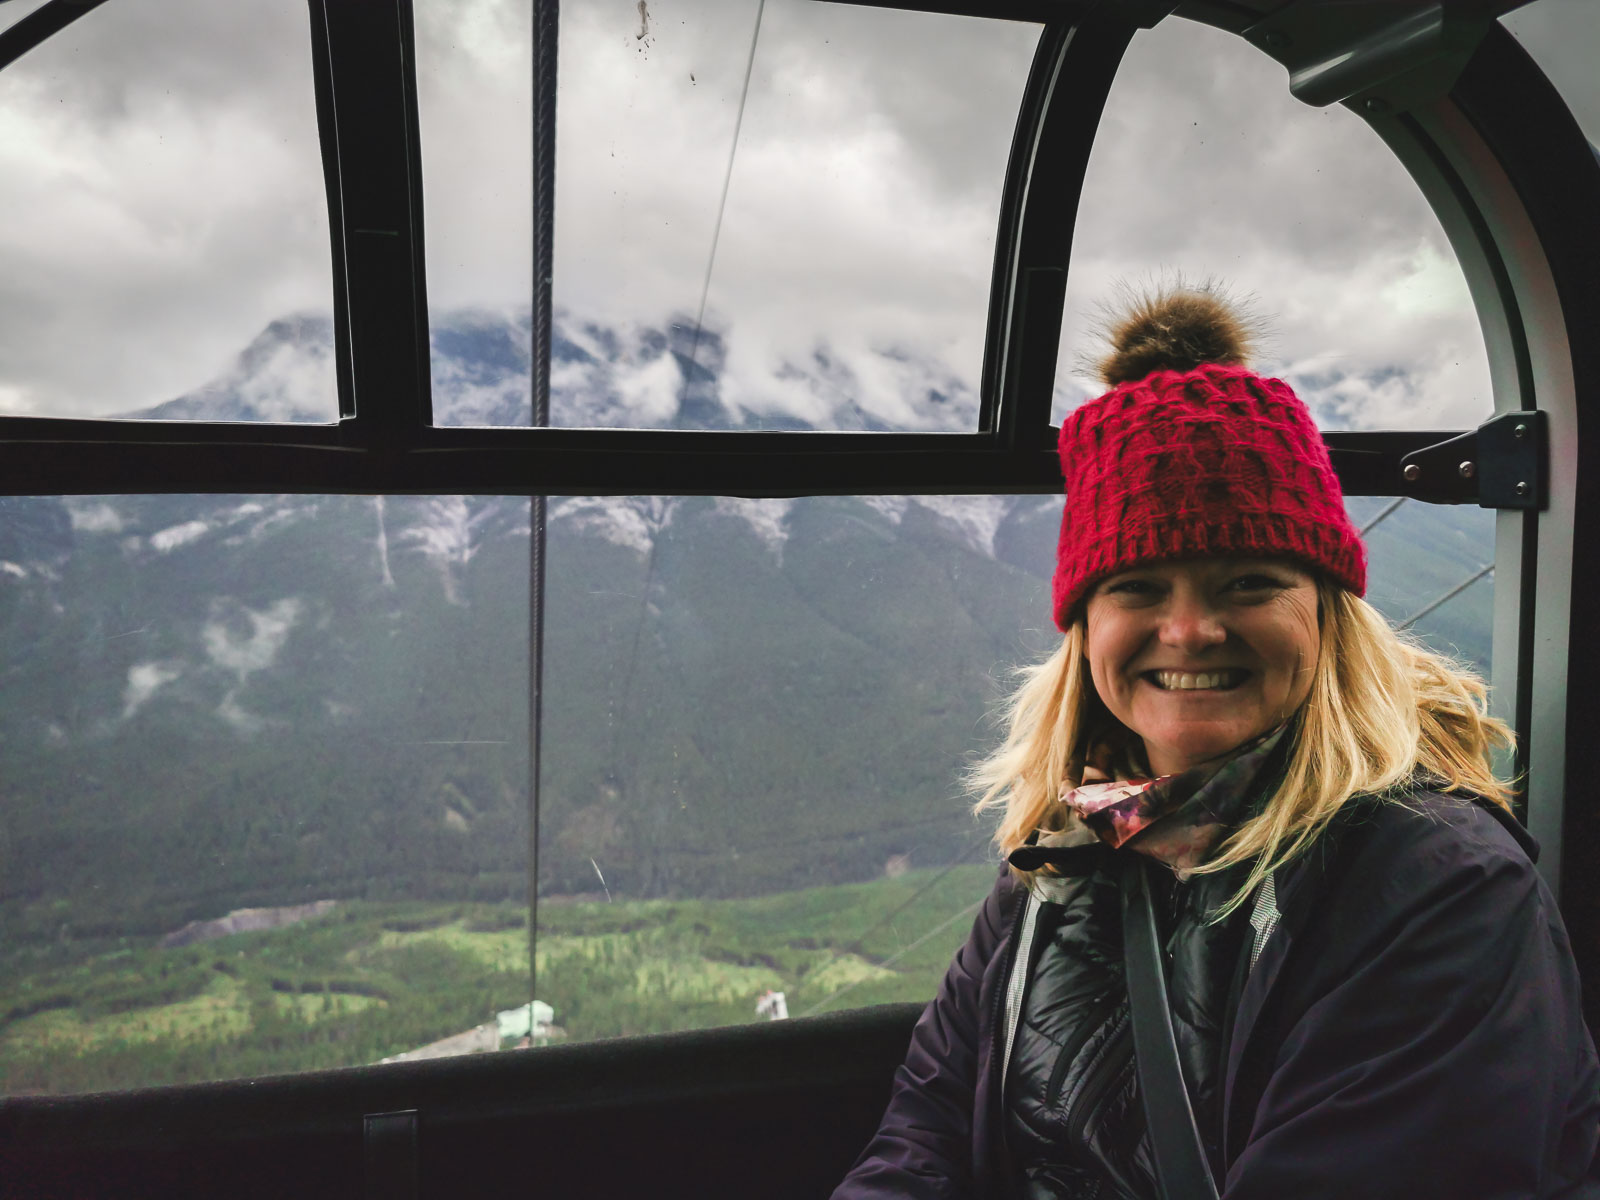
(384, 441)
(1493, 148)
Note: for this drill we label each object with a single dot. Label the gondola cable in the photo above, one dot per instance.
(1384, 515)
(545, 29)
(895, 957)
(688, 369)
(1451, 594)
(855, 946)
(722, 204)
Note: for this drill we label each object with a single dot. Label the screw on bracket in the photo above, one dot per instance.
(1466, 470)
(1412, 472)
(1522, 488)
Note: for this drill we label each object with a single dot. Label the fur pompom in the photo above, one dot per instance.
(1175, 327)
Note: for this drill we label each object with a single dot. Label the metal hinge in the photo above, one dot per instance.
(1500, 464)
(1379, 56)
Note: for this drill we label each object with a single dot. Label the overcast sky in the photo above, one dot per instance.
(163, 201)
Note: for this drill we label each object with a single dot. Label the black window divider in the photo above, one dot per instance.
(367, 115)
(146, 456)
(43, 22)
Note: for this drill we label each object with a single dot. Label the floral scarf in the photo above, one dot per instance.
(1175, 819)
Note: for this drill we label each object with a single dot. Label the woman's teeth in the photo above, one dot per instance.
(1183, 681)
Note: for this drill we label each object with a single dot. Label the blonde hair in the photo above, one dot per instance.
(1382, 709)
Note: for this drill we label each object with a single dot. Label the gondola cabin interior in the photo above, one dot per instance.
(514, 516)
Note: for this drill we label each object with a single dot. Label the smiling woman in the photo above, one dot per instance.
(1358, 950)
(1201, 656)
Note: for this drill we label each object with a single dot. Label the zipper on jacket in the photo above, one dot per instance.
(1111, 1064)
(1016, 985)
(1058, 1073)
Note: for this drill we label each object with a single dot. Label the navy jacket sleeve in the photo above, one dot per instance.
(923, 1149)
(1428, 1037)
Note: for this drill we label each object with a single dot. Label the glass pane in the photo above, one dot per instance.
(1562, 36)
(756, 718)
(266, 763)
(1205, 165)
(265, 783)
(164, 244)
(850, 280)
(1430, 570)
(475, 104)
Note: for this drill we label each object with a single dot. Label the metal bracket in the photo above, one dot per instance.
(1500, 464)
(1378, 56)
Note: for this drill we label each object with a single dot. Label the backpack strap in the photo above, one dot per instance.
(1181, 1169)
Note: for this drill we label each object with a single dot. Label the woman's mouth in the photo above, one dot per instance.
(1221, 680)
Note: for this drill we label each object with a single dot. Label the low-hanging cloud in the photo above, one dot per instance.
(160, 177)
(162, 191)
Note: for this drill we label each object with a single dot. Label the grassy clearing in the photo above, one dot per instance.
(370, 980)
(321, 1007)
(498, 950)
(221, 1011)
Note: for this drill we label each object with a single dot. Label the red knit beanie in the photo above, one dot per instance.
(1194, 456)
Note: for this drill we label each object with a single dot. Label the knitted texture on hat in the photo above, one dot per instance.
(1202, 463)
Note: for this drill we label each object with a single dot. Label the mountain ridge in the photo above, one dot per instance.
(226, 702)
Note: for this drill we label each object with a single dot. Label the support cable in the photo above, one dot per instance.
(1388, 510)
(722, 204)
(1453, 592)
(896, 956)
(854, 947)
(546, 21)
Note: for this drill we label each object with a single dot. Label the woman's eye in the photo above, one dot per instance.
(1132, 587)
(1255, 583)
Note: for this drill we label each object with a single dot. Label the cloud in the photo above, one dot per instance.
(1205, 164)
(162, 184)
(861, 208)
(160, 172)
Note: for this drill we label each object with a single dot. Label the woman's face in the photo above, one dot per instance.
(1200, 656)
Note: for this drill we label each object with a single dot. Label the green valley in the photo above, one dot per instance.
(368, 980)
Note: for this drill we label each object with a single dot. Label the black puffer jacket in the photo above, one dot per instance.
(1412, 1030)
(1075, 1122)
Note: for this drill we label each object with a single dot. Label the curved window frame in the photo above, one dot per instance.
(1464, 108)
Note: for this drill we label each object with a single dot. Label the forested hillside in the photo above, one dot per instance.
(213, 703)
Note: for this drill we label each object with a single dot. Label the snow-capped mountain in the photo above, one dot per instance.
(214, 702)
(600, 376)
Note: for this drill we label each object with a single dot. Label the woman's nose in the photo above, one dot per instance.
(1191, 626)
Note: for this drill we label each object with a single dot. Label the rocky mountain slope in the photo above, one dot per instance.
(214, 703)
